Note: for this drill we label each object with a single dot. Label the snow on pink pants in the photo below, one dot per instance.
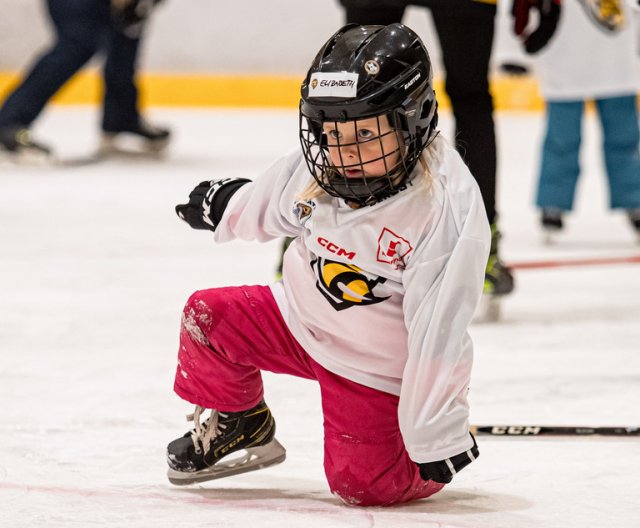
(229, 335)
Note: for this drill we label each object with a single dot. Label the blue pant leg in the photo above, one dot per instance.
(560, 166)
(79, 28)
(619, 118)
(120, 110)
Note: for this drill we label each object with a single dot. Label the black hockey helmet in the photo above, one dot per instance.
(363, 72)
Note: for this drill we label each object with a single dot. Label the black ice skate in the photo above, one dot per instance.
(498, 282)
(551, 222)
(634, 218)
(140, 138)
(498, 279)
(204, 453)
(17, 145)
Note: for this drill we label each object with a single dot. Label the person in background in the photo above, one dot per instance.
(379, 287)
(465, 31)
(84, 27)
(592, 57)
(508, 55)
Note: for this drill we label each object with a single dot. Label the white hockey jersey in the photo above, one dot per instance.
(583, 61)
(381, 295)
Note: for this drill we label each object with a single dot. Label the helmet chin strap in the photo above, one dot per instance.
(366, 191)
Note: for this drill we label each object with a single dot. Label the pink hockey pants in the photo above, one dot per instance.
(229, 335)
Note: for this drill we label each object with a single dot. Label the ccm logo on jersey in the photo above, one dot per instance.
(516, 430)
(335, 249)
(392, 249)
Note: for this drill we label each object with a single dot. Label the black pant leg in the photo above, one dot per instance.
(120, 110)
(374, 15)
(466, 41)
(79, 31)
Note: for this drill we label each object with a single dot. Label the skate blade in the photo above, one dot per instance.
(550, 236)
(489, 309)
(31, 158)
(128, 146)
(253, 459)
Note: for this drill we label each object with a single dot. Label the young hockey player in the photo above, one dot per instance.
(378, 288)
(577, 67)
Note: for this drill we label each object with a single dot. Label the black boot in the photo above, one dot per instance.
(498, 279)
(199, 454)
(634, 218)
(551, 219)
(154, 138)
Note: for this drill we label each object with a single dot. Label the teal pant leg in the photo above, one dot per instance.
(619, 118)
(560, 167)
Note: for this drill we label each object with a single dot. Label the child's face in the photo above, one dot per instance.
(364, 148)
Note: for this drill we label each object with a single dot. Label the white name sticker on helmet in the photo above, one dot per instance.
(339, 84)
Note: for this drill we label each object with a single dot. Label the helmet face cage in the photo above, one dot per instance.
(400, 92)
(389, 149)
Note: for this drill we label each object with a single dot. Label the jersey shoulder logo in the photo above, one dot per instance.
(607, 15)
(303, 209)
(393, 249)
(345, 285)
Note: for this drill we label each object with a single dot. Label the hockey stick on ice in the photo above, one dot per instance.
(541, 264)
(552, 430)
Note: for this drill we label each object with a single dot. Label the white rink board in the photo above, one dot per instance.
(95, 268)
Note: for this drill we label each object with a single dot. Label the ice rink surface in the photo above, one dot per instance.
(95, 268)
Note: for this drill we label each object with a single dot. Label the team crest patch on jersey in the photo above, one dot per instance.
(345, 285)
(393, 249)
(605, 14)
(303, 210)
(335, 84)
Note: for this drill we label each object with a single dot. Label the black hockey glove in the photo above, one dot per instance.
(443, 470)
(208, 201)
(549, 11)
(129, 16)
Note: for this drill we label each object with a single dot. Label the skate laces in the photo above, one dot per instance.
(204, 433)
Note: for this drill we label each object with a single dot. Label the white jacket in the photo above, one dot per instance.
(381, 295)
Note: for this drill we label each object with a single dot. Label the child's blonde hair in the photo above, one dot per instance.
(429, 160)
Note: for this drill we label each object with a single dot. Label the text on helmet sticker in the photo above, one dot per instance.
(337, 84)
